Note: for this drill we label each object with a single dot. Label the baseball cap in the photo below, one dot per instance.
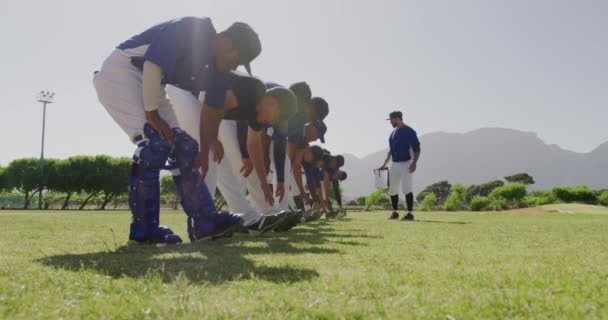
(302, 92)
(321, 106)
(326, 157)
(317, 153)
(339, 160)
(288, 106)
(248, 90)
(321, 130)
(395, 114)
(246, 41)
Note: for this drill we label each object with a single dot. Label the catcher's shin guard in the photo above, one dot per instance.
(144, 189)
(204, 221)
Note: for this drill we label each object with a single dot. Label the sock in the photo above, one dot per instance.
(409, 200)
(395, 202)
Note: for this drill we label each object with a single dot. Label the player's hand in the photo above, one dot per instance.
(218, 150)
(267, 193)
(160, 125)
(413, 167)
(280, 193)
(202, 164)
(246, 168)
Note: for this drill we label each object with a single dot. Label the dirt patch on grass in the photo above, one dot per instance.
(532, 210)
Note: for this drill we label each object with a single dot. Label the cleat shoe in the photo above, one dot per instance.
(317, 215)
(299, 215)
(332, 214)
(160, 234)
(408, 217)
(224, 226)
(165, 230)
(293, 219)
(242, 229)
(307, 216)
(394, 215)
(267, 223)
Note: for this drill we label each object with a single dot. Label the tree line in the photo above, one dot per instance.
(80, 180)
(100, 176)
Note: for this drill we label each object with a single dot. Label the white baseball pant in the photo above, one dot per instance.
(119, 89)
(400, 178)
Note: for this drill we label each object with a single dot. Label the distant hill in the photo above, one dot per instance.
(487, 154)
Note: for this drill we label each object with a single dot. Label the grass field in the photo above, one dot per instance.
(451, 265)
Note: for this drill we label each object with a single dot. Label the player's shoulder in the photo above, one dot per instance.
(410, 129)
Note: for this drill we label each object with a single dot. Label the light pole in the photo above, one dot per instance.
(45, 97)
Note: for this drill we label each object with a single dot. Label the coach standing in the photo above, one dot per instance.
(401, 141)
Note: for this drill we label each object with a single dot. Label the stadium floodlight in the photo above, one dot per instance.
(45, 97)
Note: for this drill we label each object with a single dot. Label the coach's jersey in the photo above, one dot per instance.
(400, 142)
(183, 48)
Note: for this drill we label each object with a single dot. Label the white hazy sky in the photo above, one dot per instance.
(451, 66)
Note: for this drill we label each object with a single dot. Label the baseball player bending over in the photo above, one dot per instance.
(187, 53)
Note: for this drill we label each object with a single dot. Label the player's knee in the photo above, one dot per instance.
(186, 148)
(153, 152)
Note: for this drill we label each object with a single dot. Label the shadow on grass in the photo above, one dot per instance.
(210, 262)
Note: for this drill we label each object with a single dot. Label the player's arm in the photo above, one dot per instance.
(326, 185)
(209, 124)
(216, 101)
(152, 90)
(297, 170)
(416, 147)
(319, 189)
(241, 133)
(266, 151)
(336, 187)
(388, 158)
(255, 149)
(279, 151)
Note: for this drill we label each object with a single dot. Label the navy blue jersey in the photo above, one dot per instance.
(400, 142)
(183, 48)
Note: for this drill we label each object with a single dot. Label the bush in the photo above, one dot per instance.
(511, 193)
(440, 189)
(482, 190)
(497, 204)
(580, 194)
(480, 203)
(429, 202)
(456, 199)
(603, 198)
(376, 198)
(540, 198)
(361, 201)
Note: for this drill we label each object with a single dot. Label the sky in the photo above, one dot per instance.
(452, 66)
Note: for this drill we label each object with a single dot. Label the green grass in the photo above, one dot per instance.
(76, 265)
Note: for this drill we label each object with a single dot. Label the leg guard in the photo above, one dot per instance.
(144, 190)
(204, 221)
